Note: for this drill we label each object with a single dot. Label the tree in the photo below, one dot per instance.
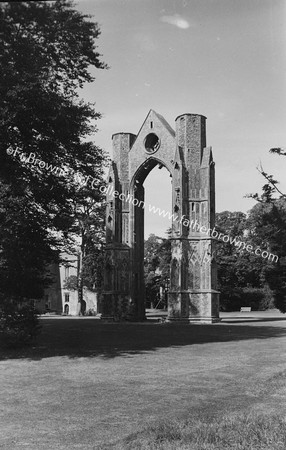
(89, 228)
(271, 187)
(272, 227)
(25, 245)
(46, 52)
(240, 277)
(157, 259)
(267, 224)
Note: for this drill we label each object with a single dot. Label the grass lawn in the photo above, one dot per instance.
(90, 385)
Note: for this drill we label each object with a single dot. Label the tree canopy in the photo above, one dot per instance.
(245, 277)
(47, 159)
(269, 221)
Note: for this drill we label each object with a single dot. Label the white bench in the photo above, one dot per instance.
(245, 309)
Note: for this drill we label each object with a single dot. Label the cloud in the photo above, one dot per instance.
(176, 20)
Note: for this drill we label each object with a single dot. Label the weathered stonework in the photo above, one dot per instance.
(193, 296)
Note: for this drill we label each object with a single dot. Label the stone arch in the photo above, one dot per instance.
(184, 154)
(146, 167)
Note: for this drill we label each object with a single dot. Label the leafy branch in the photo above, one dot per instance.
(270, 188)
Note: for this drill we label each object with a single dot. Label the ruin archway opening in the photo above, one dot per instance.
(152, 216)
(157, 223)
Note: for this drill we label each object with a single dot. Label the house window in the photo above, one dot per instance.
(67, 271)
(151, 124)
(67, 298)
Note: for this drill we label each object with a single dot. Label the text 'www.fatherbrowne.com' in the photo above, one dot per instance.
(193, 224)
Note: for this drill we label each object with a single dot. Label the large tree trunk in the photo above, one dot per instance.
(79, 283)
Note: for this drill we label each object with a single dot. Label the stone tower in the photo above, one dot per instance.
(193, 296)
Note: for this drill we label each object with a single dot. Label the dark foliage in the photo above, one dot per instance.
(46, 52)
(19, 325)
(246, 277)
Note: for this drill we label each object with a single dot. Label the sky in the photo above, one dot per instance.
(224, 59)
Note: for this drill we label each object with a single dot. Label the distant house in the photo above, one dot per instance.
(52, 299)
(59, 300)
(70, 296)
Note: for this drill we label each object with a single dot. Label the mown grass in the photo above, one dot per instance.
(241, 432)
(89, 385)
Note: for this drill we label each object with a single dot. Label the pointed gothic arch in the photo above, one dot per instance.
(193, 296)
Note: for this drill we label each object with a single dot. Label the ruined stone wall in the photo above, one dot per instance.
(192, 295)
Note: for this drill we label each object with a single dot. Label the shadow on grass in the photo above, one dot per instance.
(90, 338)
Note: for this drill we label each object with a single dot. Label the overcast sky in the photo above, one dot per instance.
(225, 59)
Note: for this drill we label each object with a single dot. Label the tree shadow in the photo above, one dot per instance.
(76, 338)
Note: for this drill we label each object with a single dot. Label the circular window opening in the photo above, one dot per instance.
(152, 143)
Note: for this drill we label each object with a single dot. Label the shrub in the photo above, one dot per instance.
(19, 325)
(230, 298)
(253, 297)
(259, 299)
(90, 312)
